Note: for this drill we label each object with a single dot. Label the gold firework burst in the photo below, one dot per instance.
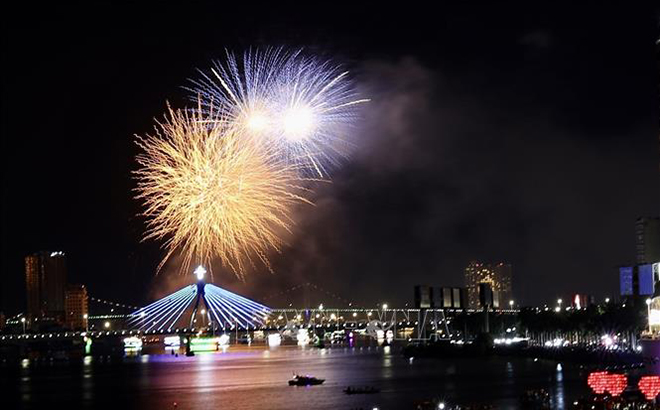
(211, 192)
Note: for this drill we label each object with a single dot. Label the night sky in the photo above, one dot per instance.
(495, 133)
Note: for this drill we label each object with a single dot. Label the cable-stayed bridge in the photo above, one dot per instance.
(204, 308)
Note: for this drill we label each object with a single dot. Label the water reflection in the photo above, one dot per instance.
(653, 369)
(387, 363)
(253, 377)
(559, 387)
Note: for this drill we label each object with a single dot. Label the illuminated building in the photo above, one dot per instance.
(626, 281)
(427, 297)
(654, 316)
(76, 305)
(45, 281)
(423, 297)
(581, 301)
(497, 276)
(639, 280)
(455, 298)
(647, 238)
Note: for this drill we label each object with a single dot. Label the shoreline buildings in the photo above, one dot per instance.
(45, 282)
(647, 240)
(76, 304)
(50, 301)
(497, 277)
(639, 280)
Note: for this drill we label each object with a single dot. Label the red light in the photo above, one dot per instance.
(613, 383)
(650, 386)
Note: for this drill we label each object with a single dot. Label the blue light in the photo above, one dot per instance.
(224, 307)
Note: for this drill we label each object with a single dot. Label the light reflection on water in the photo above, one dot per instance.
(559, 388)
(257, 377)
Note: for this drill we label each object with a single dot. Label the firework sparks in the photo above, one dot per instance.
(299, 104)
(211, 192)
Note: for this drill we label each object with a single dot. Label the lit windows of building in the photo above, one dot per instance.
(497, 276)
(45, 281)
(77, 307)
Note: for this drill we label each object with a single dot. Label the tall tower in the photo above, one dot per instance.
(45, 282)
(505, 289)
(498, 276)
(33, 279)
(201, 296)
(647, 238)
(76, 304)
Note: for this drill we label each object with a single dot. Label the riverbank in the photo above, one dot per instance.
(596, 358)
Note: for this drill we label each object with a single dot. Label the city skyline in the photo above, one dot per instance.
(441, 174)
(441, 206)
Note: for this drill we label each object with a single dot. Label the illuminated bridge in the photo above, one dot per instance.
(216, 306)
(206, 308)
(404, 324)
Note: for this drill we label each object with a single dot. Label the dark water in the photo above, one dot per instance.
(256, 378)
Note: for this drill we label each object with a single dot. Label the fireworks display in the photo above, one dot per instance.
(302, 106)
(209, 192)
(220, 181)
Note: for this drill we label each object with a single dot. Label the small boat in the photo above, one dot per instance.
(361, 390)
(299, 380)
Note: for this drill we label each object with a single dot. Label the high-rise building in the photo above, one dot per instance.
(45, 281)
(487, 296)
(627, 281)
(639, 280)
(451, 298)
(647, 238)
(423, 297)
(431, 297)
(76, 304)
(498, 276)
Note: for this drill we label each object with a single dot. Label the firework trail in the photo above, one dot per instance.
(210, 191)
(300, 105)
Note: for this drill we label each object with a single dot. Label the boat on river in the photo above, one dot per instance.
(307, 380)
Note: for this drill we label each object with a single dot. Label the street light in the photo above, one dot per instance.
(607, 300)
(384, 306)
(85, 317)
(23, 321)
(106, 325)
(511, 304)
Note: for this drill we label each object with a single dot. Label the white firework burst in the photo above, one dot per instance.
(301, 105)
